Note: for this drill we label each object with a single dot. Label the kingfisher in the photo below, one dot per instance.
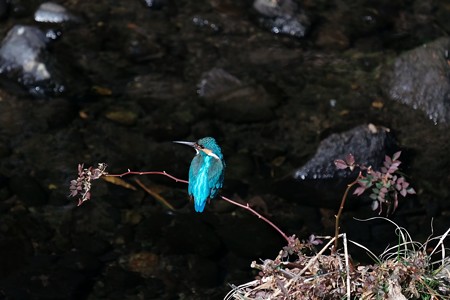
(206, 172)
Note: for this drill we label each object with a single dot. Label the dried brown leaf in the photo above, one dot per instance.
(118, 181)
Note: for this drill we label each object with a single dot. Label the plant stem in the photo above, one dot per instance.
(341, 208)
(129, 172)
(247, 207)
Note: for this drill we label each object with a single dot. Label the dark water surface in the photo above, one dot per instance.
(133, 79)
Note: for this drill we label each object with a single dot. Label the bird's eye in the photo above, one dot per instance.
(201, 146)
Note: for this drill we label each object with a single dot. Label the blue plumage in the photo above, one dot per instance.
(206, 172)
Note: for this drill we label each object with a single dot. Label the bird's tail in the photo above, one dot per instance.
(199, 205)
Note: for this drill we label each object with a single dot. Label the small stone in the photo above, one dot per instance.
(50, 12)
(332, 37)
(156, 89)
(123, 117)
(144, 263)
(24, 59)
(231, 100)
(21, 49)
(282, 17)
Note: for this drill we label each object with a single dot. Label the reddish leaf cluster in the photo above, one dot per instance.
(385, 184)
(349, 162)
(81, 186)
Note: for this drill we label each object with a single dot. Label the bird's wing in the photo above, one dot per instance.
(215, 176)
(193, 171)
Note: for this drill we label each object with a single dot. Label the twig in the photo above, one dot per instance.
(129, 172)
(240, 288)
(247, 206)
(313, 260)
(341, 208)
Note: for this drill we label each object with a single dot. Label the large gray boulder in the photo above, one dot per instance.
(25, 61)
(420, 78)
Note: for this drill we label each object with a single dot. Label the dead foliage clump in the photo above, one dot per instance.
(404, 271)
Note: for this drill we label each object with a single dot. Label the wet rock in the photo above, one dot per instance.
(319, 182)
(367, 143)
(282, 17)
(145, 263)
(143, 47)
(24, 60)
(217, 81)
(420, 79)
(331, 37)
(23, 45)
(53, 34)
(50, 12)
(232, 100)
(155, 89)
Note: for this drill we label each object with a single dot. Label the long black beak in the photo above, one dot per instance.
(192, 144)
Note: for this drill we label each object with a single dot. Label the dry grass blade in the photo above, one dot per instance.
(441, 243)
(404, 271)
(313, 260)
(157, 196)
(119, 182)
(347, 266)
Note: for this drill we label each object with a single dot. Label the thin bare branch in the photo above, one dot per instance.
(247, 206)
